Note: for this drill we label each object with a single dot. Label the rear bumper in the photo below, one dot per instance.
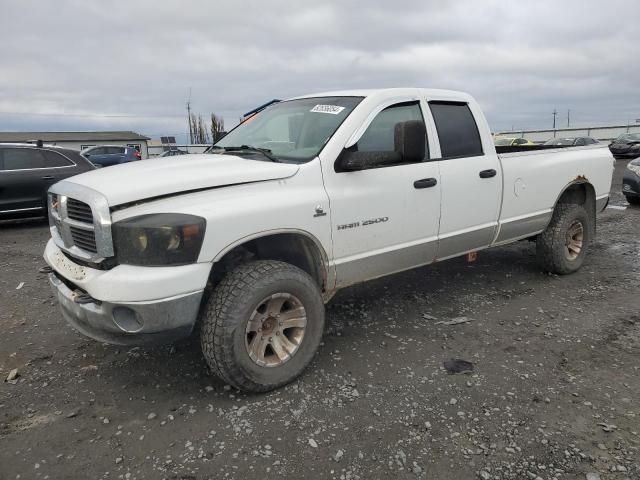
(601, 203)
(131, 323)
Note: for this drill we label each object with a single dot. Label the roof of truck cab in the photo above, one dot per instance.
(392, 92)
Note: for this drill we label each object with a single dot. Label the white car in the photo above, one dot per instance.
(246, 244)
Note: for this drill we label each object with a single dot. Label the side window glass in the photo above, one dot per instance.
(54, 159)
(23, 158)
(97, 151)
(380, 135)
(580, 141)
(457, 129)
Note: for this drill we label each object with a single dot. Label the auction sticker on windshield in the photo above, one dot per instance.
(332, 109)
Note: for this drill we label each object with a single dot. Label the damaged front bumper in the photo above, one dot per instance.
(86, 299)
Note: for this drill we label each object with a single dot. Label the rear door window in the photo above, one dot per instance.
(22, 159)
(54, 159)
(115, 150)
(457, 129)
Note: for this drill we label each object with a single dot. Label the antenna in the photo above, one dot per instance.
(555, 113)
(568, 117)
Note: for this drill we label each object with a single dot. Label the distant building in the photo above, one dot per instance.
(80, 140)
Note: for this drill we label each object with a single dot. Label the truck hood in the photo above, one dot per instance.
(145, 179)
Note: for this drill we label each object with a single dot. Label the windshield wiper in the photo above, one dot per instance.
(264, 151)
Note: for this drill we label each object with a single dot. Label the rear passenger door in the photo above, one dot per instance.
(471, 180)
(23, 180)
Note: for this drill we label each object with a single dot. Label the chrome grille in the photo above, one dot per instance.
(80, 211)
(85, 239)
(80, 221)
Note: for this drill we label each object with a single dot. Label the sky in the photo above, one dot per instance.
(115, 65)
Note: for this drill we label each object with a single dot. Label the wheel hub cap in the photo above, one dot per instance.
(275, 330)
(573, 243)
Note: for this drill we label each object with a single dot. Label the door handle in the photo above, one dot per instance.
(488, 173)
(425, 183)
(48, 177)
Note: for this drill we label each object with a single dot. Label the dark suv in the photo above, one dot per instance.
(107, 155)
(26, 173)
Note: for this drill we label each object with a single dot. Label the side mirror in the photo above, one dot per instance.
(410, 140)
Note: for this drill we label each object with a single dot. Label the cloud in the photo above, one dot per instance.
(130, 65)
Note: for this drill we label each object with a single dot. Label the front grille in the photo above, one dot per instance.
(85, 239)
(80, 211)
(80, 222)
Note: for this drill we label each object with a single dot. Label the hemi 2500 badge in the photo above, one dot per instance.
(363, 223)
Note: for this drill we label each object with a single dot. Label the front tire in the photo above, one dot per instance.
(632, 200)
(262, 325)
(561, 248)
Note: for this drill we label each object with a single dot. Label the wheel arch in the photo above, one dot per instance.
(581, 192)
(297, 247)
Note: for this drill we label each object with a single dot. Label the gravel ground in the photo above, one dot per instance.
(554, 392)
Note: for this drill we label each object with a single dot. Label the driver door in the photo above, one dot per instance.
(384, 219)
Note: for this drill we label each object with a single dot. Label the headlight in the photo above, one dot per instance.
(158, 239)
(634, 168)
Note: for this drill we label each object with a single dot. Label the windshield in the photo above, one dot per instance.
(503, 142)
(629, 137)
(560, 141)
(295, 130)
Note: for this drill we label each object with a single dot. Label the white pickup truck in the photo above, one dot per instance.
(245, 244)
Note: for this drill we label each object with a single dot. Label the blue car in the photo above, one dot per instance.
(107, 155)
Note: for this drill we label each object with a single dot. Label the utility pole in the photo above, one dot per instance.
(568, 118)
(555, 113)
(189, 117)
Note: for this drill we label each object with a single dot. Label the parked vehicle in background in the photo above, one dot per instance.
(107, 155)
(247, 243)
(173, 153)
(626, 145)
(26, 173)
(512, 142)
(571, 141)
(631, 182)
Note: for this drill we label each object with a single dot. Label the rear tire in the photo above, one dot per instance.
(262, 325)
(633, 200)
(561, 248)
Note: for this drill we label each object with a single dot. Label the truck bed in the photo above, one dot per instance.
(533, 179)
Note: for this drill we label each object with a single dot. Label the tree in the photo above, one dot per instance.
(217, 127)
(199, 134)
